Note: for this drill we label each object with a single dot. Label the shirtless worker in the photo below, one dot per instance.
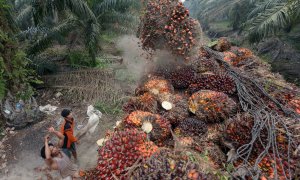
(57, 159)
(67, 129)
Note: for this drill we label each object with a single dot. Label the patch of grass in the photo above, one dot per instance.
(125, 76)
(111, 108)
(101, 63)
(79, 59)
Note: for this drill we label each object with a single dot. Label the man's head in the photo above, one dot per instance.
(54, 151)
(66, 113)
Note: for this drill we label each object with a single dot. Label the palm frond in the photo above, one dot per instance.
(24, 14)
(91, 40)
(271, 20)
(53, 34)
(81, 9)
(262, 6)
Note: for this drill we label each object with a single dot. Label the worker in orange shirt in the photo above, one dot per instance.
(67, 129)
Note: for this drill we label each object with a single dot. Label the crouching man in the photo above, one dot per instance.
(57, 159)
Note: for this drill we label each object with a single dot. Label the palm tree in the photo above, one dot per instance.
(53, 19)
(271, 16)
(262, 17)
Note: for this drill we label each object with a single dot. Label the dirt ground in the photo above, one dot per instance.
(22, 147)
(25, 145)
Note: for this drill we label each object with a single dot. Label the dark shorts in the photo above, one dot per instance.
(69, 150)
(72, 147)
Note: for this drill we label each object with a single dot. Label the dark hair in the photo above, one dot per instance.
(43, 153)
(65, 112)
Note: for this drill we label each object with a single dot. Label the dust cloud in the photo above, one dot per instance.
(139, 62)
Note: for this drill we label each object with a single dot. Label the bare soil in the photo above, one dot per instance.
(23, 148)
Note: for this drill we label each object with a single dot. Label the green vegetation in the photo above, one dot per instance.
(257, 19)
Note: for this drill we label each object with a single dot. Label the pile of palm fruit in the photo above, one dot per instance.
(186, 120)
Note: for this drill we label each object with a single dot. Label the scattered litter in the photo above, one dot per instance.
(94, 115)
(90, 127)
(48, 109)
(57, 95)
(7, 111)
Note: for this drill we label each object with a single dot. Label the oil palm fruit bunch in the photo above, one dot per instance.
(166, 23)
(216, 82)
(222, 45)
(192, 127)
(203, 65)
(180, 76)
(238, 56)
(273, 167)
(211, 106)
(169, 165)
(179, 111)
(155, 85)
(121, 151)
(159, 127)
(239, 129)
(145, 102)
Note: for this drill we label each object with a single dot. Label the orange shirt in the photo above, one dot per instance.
(67, 129)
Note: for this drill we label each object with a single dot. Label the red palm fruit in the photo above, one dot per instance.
(161, 126)
(179, 111)
(222, 45)
(114, 161)
(203, 65)
(180, 76)
(211, 106)
(168, 164)
(192, 127)
(216, 82)
(155, 85)
(144, 102)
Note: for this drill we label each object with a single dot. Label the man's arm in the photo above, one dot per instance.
(49, 160)
(58, 134)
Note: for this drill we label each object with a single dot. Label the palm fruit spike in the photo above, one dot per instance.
(179, 110)
(120, 152)
(222, 45)
(215, 82)
(211, 106)
(192, 127)
(160, 126)
(144, 102)
(169, 165)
